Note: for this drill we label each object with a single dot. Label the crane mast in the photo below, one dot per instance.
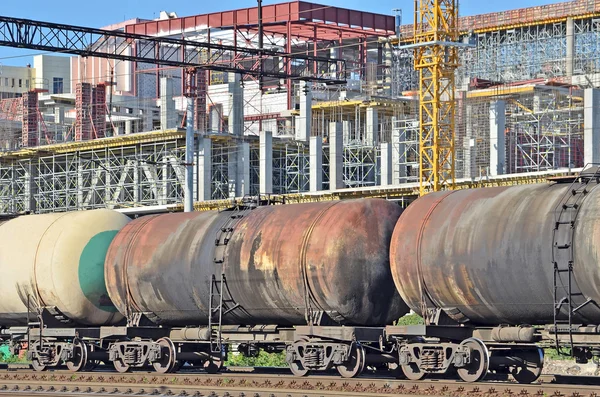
(436, 59)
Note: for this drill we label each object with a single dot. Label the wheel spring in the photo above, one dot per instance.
(313, 357)
(432, 358)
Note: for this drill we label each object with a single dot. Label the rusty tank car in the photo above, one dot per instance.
(495, 261)
(278, 264)
(57, 261)
(487, 256)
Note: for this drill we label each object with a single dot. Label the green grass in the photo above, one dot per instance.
(552, 354)
(7, 357)
(410, 319)
(263, 359)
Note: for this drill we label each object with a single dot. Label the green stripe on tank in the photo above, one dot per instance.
(91, 270)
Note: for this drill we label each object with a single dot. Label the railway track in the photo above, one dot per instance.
(246, 384)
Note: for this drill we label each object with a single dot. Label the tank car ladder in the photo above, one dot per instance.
(218, 304)
(562, 251)
(220, 299)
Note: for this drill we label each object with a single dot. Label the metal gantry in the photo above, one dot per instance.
(436, 59)
(88, 42)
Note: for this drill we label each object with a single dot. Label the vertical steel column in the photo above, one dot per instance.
(190, 92)
(288, 66)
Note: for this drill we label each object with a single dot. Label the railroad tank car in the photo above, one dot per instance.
(276, 261)
(487, 256)
(57, 261)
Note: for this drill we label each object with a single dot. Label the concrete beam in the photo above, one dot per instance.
(266, 162)
(591, 126)
(497, 144)
(316, 163)
(336, 156)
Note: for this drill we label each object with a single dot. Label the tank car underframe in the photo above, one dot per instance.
(414, 351)
(582, 342)
(472, 352)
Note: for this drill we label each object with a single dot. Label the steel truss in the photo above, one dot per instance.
(360, 164)
(545, 133)
(143, 174)
(297, 168)
(405, 151)
(87, 42)
(531, 52)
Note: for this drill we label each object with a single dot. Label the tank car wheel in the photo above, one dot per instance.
(298, 369)
(37, 366)
(35, 362)
(480, 361)
(534, 363)
(80, 356)
(121, 366)
(412, 372)
(213, 365)
(355, 364)
(296, 366)
(168, 359)
(92, 365)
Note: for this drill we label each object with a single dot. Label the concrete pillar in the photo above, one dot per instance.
(214, 117)
(168, 115)
(336, 157)
(334, 53)
(232, 173)
(388, 61)
(591, 126)
(386, 164)
(266, 162)
(128, 127)
(204, 172)
(347, 130)
(372, 127)
(30, 189)
(570, 58)
(380, 52)
(398, 153)
(469, 147)
(537, 103)
(236, 102)
(147, 120)
(242, 186)
(497, 144)
(303, 122)
(316, 163)
(59, 114)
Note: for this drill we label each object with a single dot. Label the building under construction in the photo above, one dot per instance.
(526, 98)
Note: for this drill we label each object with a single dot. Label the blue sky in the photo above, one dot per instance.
(105, 12)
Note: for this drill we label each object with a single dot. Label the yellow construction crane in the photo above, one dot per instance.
(436, 59)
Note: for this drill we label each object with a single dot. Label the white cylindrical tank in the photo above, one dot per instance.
(57, 261)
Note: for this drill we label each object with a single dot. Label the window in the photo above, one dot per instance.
(57, 86)
(27, 84)
(20, 83)
(6, 81)
(13, 83)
